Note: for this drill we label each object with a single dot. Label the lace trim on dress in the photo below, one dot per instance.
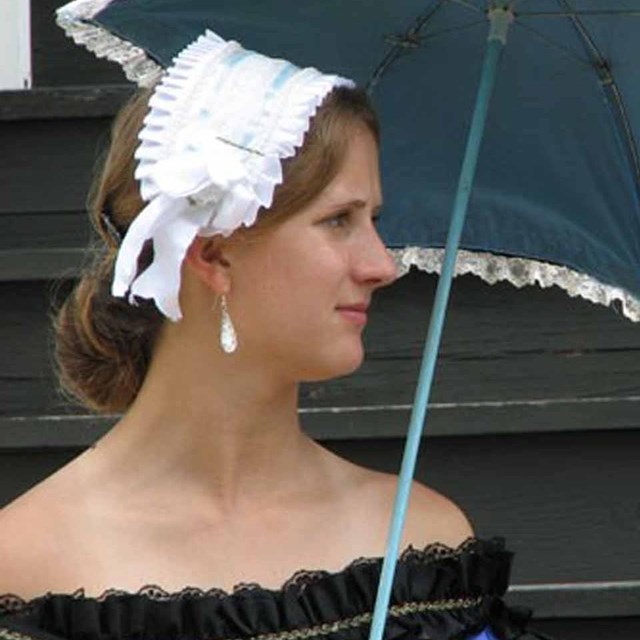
(520, 272)
(299, 581)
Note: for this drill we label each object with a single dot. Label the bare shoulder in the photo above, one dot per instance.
(30, 544)
(19, 547)
(431, 516)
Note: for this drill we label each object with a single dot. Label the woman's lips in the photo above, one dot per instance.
(356, 314)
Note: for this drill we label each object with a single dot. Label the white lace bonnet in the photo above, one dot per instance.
(221, 120)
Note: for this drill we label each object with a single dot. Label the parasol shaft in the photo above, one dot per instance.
(500, 18)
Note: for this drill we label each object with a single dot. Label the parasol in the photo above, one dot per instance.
(556, 197)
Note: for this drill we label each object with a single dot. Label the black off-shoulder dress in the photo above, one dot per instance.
(439, 593)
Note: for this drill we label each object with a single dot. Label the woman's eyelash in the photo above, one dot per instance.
(338, 220)
(341, 218)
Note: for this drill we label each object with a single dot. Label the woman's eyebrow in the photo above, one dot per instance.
(356, 204)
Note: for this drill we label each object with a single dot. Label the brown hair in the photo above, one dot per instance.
(104, 345)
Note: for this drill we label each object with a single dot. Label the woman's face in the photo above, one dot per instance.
(289, 289)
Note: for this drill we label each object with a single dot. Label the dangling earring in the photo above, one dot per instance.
(228, 337)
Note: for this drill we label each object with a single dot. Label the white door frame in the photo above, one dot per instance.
(15, 44)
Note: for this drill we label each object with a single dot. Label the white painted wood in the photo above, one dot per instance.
(15, 44)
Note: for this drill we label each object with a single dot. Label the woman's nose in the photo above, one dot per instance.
(375, 264)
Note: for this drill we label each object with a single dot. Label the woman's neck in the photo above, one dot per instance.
(217, 428)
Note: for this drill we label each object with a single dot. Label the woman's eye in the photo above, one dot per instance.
(339, 220)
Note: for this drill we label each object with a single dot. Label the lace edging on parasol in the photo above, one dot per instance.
(520, 272)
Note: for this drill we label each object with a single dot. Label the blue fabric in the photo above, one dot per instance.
(485, 634)
(555, 178)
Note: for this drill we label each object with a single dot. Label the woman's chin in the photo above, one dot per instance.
(342, 363)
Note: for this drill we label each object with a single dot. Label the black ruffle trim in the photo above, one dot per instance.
(462, 588)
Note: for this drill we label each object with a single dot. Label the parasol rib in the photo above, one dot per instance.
(611, 90)
(399, 46)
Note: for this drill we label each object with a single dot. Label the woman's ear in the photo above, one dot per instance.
(206, 261)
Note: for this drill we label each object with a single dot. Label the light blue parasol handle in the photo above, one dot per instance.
(500, 18)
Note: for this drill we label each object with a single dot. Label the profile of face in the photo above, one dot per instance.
(288, 290)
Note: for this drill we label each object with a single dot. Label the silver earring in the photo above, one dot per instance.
(228, 337)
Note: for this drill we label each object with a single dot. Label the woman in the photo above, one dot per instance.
(222, 284)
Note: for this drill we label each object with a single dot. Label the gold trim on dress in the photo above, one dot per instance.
(364, 618)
